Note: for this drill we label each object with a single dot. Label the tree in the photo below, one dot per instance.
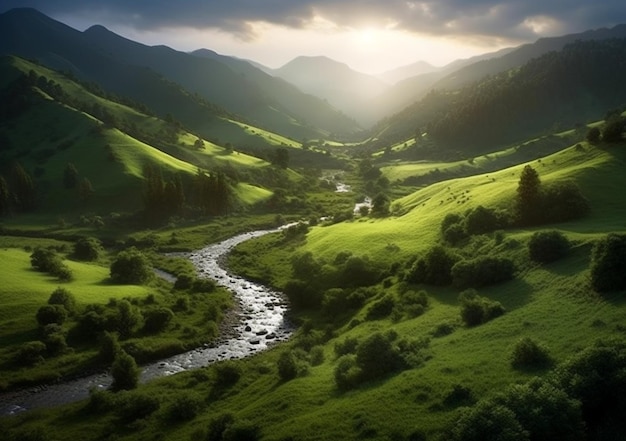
(528, 200)
(23, 188)
(85, 189)
(593, 135)
(547, 246)
(70, 176)
(88, 249)
(380, 205)
(63, 297)
(125, 372)
(131, 267)
(287, 366)
(608, 263)
(5, 197)
(49, 314)
(280, 157)
(128, 319)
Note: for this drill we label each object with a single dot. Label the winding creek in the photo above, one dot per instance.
(261, 323)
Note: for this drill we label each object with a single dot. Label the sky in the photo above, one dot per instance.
(371, 36)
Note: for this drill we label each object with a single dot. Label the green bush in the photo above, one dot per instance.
(50, 314)
(63, 297)
(376, 357)
(242, 430)
(608, 263)
(132, 406)
(347, 346)
(316, 355)
(481, 220)
(157, 319)
(217, 427)
(45, 260)
(476, 310)
(131, 267)
(109, 347)
(547, 246)
(287, 366)
(227, 373)
(433, 268)
(562, 202)
(302, 295)
(125, 372)
(30, 353)
(528, 354)
(380, 309)
(482, 271)
(184, 407)
(87, 249)
(347, 374)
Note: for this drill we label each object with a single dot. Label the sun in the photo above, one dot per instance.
(366, 37)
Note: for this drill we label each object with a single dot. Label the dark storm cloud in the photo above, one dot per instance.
(470, 18)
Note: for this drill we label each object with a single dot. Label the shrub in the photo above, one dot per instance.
(487, 421)
(131, 267)
(476, 310)
(127, 319)
(454, 234)
(125, 372)
(109, 347)
(183, 281)
(87, 249)
(376, 357)
(449, 220)
(547, 246)
(481, 220)
(49, 314)
(562, 202)
(459, 396)
(482, 271)
(157, 319)
(132, 406)
(608, 263)
(302, 295)
(316, 355)
(347, 346)
(30, 353)
(45, 260)
(287, 366)
(184, 407)
(433, 268)
(358, 271)
(347, 374)
(55, 343)
(90, 323)
(227, 373)
(218, 425)
(203, 285)
(528, 354)
(380, 309)
(242, 430)
(63, 297)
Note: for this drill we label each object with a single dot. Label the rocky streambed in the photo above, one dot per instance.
(260, 323)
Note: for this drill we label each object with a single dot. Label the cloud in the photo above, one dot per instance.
(472, 19)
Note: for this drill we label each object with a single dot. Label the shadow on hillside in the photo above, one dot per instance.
(512, 295)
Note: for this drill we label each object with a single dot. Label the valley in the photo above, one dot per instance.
(441, 258)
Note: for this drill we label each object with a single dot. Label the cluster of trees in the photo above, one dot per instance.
(18, 192)
(611, 132)
(211, 193)
(577, 82)
(374, 358)
(581, 399)
(476, 310)
(47, 260)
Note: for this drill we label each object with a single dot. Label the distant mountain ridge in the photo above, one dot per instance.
(335, 82)
(121, 65)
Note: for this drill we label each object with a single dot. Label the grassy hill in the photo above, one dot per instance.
(456, 365)
(51, 132)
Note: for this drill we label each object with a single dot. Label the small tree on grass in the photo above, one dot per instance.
(63, 297)
(88, 249)
(131, 267)
(608, 263)
(125, 372)
(528, 200)
(476, 310)
(287, 366)
(528, 354)
(50, 314)
(547, 246)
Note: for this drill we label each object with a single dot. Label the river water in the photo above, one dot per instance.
(261, 324)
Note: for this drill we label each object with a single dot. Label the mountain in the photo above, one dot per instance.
(579, 83)
(48, 121)
(404, 72)
(522, 55)
(335, 82)
(121, 66)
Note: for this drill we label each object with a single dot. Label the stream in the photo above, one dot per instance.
(261, 324)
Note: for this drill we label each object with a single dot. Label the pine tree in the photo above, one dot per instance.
(70, 176)
(23, 188)
(5, 196)
(528, 201)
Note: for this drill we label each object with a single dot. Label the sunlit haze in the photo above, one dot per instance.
(370, 37)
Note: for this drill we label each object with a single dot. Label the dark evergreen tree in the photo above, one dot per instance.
(5, 197)
(85, 189)
(70, 176)
(528, 200)
(23, 188)
(125, 372)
